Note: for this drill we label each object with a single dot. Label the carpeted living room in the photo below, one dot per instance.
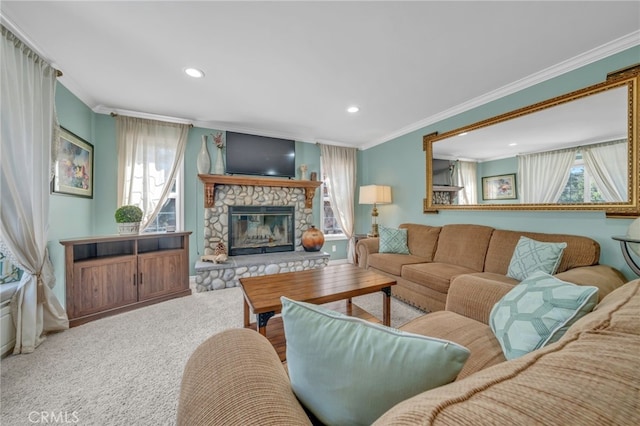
(375, 212)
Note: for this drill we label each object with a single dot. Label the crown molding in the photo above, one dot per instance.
(593, 55)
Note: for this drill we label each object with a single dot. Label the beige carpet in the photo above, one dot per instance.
(126, 369)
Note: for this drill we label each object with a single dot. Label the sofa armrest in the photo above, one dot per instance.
(604, 277)
(473, 296)
(236, 378)
(364, 248)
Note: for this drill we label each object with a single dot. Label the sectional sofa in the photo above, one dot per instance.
(590, 376)
(439, 254)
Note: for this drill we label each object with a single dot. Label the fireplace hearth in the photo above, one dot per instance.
(261, 229)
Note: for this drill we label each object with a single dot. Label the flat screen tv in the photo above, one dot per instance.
(260, 155)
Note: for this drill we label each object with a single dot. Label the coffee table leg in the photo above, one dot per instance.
(246, 314)
(262, 320)
(386, 306)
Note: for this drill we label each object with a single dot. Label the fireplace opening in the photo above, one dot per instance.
(261, 229)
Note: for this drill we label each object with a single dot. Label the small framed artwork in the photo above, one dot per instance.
(502, 187)
(73, 169)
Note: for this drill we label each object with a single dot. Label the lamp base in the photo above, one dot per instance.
(374, 231)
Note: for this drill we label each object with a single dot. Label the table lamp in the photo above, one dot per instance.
(375, 194)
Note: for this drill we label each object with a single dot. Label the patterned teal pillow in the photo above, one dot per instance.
(537, 312)
(8, 272)
(393, 241)
(531, 256)
(348, 371)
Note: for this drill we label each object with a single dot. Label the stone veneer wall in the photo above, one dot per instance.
(211, 276)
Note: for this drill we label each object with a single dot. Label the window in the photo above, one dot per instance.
(579, 180)
(171, 212)
(330, 225)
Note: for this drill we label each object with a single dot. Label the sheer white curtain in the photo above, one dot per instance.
(339, 165)
(543, 176)
(149, 156)
(466, 175)
(607, 164)
(27, 108)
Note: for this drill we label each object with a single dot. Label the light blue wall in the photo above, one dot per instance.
(401, 164)
(70, 216)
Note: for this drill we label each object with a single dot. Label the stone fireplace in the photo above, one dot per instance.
(269, 215)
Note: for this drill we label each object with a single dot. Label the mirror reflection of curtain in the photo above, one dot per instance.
(543, 175)
(606, 163)
(149, 155)
(466, 176)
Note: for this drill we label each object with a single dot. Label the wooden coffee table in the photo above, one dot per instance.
(319, 286)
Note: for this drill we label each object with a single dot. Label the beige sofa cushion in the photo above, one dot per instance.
(422, 239)
(580, 251)
(573, 381)
(463, 245)
(437, 276)
(475, 336)
(392, 263)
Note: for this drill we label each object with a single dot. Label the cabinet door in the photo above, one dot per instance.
(103, 284)
(162, 273)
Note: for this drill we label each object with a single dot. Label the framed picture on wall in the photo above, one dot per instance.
(501, 187)
(73, 168)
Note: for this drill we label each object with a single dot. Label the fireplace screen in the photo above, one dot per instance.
(260, 229)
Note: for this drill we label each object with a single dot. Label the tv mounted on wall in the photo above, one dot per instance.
(260, 155)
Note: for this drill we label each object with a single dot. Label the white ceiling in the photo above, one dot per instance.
(290, 69)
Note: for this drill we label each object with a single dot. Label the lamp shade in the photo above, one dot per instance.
(375, 194)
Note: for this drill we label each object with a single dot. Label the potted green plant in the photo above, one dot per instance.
(128, 219)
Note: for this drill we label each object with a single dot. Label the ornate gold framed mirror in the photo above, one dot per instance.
(578, 151)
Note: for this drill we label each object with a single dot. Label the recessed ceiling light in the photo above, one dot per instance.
(353, 109)
(194, 72)
(463, 134)
(513, 144)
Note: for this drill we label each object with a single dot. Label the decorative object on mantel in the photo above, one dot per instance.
(314, 176)
(128, 219)
(204, 162)
(375, 194)
(218, 169)
(312, 239)
(219, 254)
(303, 172)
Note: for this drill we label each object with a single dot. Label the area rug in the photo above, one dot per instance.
(126, 369)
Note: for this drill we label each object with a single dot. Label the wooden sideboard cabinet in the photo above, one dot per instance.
(113, 274)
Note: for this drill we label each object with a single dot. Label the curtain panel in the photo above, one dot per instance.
(149, 156)
(544, 175)
(27, 108)
(339, 166)
(607, 164)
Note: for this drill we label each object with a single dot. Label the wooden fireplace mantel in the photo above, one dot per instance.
(210, 182)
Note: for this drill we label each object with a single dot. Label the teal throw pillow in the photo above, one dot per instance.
(538, 311)
(393, 241)
(348, 371)
(530, 256)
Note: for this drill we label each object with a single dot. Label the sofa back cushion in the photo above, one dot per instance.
(422, 239)
(464, 245)
(590, 376)
(580, 251)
